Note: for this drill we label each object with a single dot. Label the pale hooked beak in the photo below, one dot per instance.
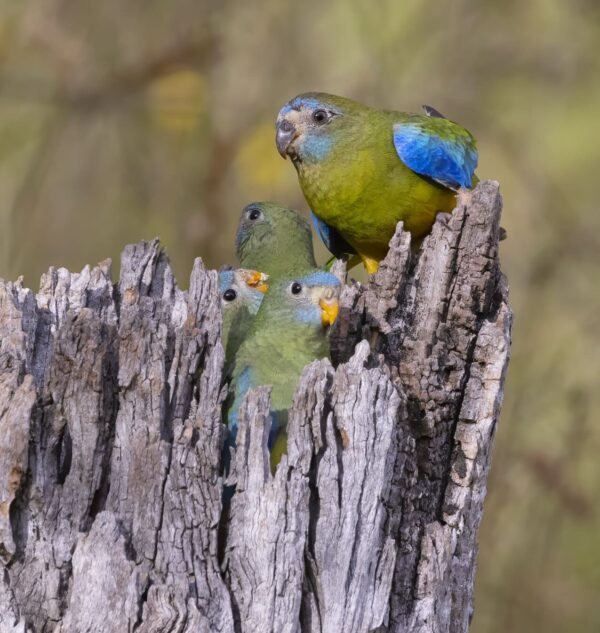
(330, 307)
(256, 280)
(286, 133)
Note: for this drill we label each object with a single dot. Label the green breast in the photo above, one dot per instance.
(277, 357)
(363, 189)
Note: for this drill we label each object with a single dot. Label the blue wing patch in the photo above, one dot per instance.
(243, 383)
(334, 242)
(449, 161)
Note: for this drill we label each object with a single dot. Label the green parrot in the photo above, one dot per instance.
(362, 170)
(241, 291)
(275, 240)
(290, 331)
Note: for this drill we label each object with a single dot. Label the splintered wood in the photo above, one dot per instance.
(111, 438)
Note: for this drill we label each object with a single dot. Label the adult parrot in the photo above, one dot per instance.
(362, 170)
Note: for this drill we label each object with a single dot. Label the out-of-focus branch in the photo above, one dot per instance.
(81, 84)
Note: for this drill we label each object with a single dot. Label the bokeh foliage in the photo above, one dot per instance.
(122, 121)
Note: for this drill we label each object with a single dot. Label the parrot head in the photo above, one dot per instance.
(268, 230)
(241, 292)
(309, 300)
(308, 125)
(242, 287)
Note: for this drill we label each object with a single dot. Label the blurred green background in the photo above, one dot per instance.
(122, 121)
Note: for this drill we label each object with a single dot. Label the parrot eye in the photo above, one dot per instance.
(229, 295)
(254, 214)
(296, 288)
(320, 117)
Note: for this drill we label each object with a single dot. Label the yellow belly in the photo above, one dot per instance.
(365, 199)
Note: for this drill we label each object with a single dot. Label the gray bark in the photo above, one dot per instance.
(110, 486)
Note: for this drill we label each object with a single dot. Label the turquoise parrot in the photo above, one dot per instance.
(362, 170)
(290, 331)
(274, 239)
(241, 293)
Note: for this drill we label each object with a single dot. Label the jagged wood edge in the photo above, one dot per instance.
(439, 451)
(73, 533)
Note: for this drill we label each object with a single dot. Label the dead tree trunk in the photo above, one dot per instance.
(110, 420)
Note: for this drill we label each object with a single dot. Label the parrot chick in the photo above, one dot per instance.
(362, 170)
(290, 331)
(242, 292)
(274, 239)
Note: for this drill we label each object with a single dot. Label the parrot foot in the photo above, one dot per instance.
(371, 265)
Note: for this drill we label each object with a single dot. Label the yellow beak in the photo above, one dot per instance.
(256, 280)
(329, 310)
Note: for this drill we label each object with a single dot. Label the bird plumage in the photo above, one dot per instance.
(241, 292)
(363, 170)
(289, 331)
(332, 238)
(274, 239)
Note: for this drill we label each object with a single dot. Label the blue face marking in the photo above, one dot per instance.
(309, 103)
(225, 280)
(315, 145)
(320, 278)
(309, 314)
(305, 311)
(298, 103)
(287, 108)
(251, 297)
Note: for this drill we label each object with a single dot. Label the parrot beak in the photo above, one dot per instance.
(257, 280)
(286, 133)
(330, 307)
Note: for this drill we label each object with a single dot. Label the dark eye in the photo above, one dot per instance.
(296, 288)
(320, 116)
(254, 214)
(230, 294)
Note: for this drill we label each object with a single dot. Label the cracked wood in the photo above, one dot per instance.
(110, 484)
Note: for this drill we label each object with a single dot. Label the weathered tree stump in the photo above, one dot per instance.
(111, 433)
